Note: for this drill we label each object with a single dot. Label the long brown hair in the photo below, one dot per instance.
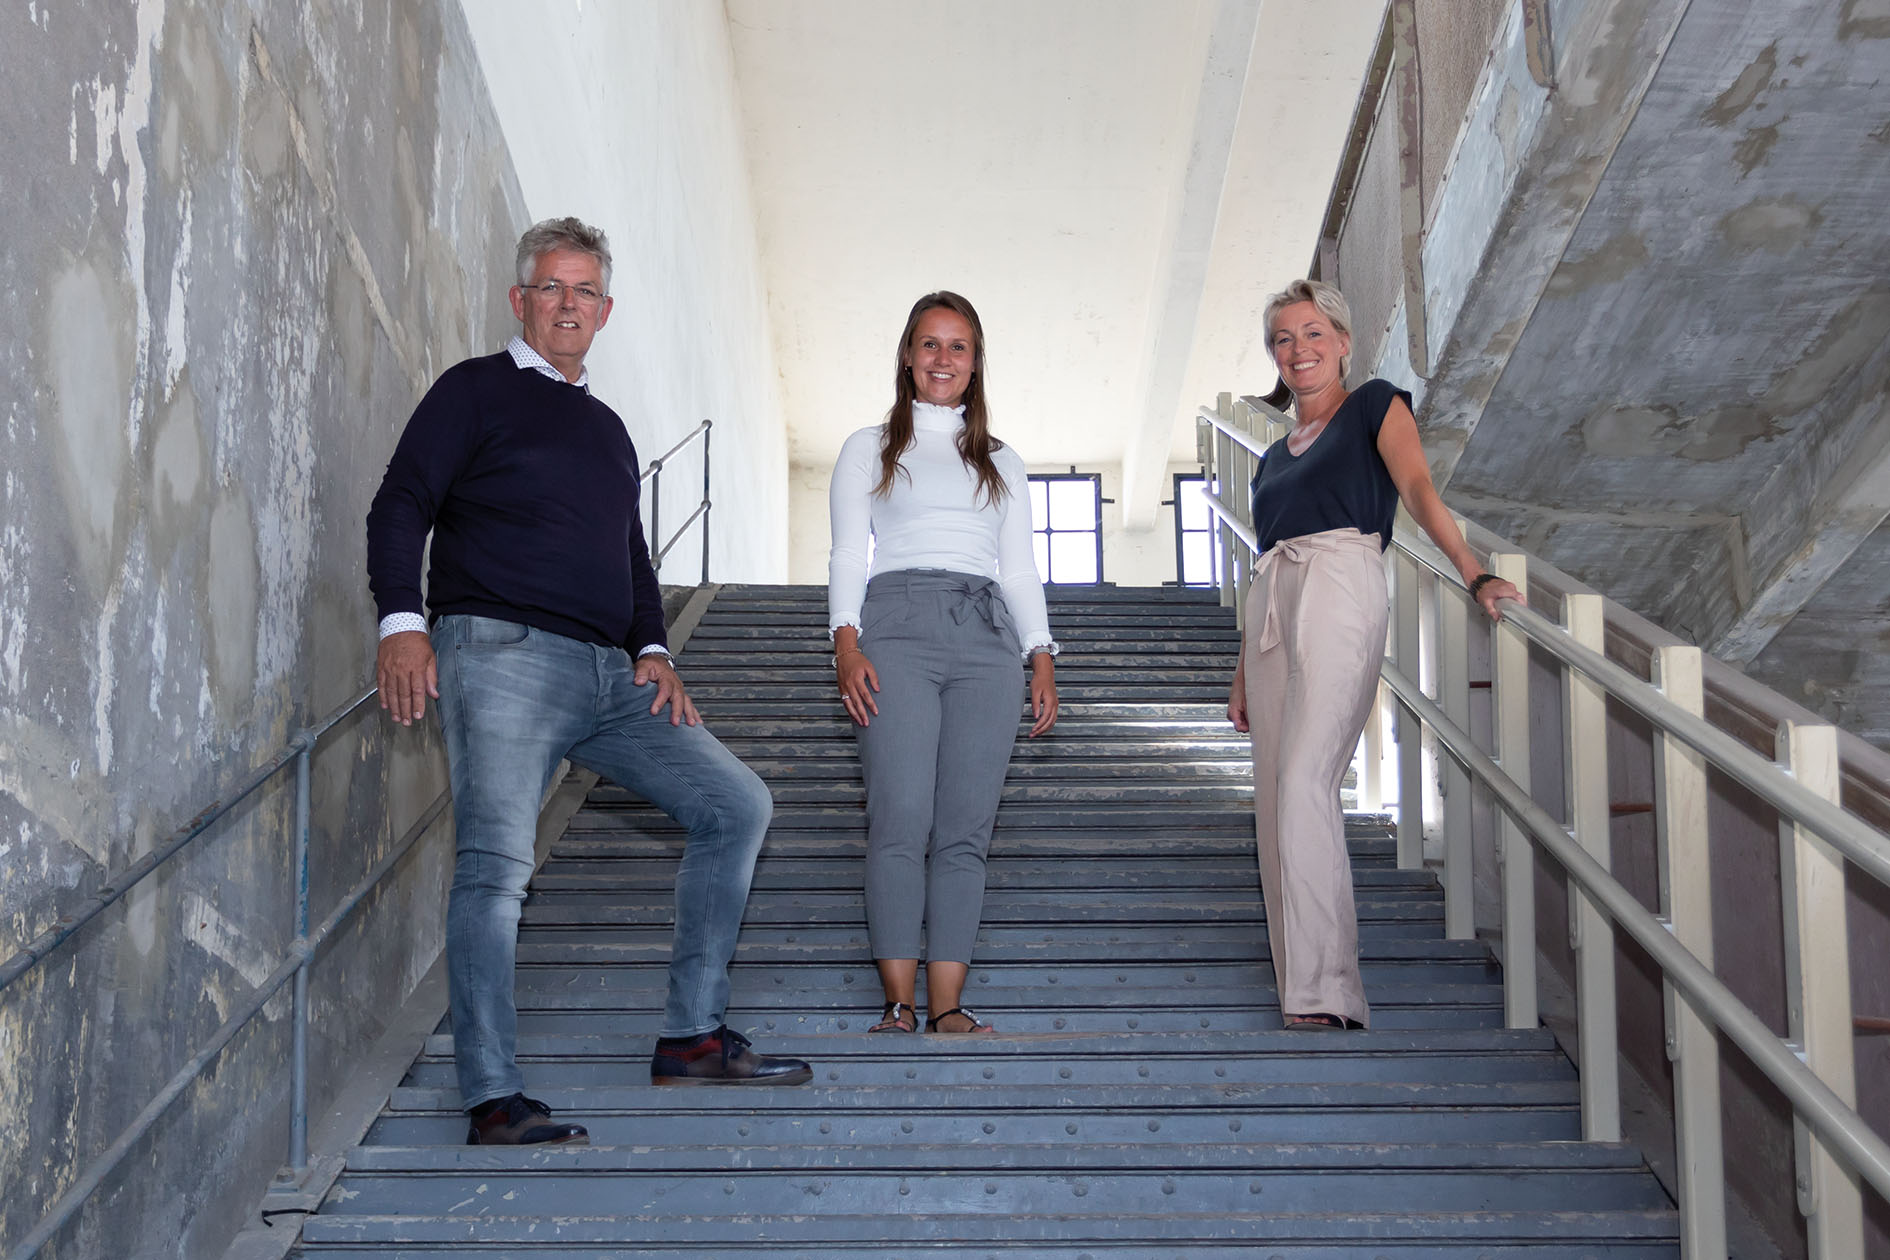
(975, 442)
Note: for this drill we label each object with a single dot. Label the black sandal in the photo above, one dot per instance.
(977, 1026)
(1320, 1021)
(897, 1017)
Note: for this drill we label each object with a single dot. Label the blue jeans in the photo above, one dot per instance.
(514, 701)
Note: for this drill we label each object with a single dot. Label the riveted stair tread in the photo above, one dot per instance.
(588, 870)
(1605, 1249)
(908, 1096)
(1389, 1126)
(1276, 1229)
(993, 1153)
(1210, 942)
(1100, 1019)
(808, 911)
(1151, 1047)
(945, 1071)
(1206, 713)
(832, 1194)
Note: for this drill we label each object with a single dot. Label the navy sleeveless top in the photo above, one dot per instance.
(1339, 481)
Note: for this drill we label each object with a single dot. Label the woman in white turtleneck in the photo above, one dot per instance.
(927, 653)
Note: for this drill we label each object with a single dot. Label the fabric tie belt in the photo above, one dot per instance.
(1266, 573)
(977, 595)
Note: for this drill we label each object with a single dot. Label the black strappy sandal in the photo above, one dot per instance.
(1321, 1021)
(977, 1026)
(897, 1017)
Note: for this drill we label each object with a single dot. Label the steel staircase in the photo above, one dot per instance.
(1144, 1102)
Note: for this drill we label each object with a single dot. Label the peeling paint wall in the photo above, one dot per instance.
(242, 238)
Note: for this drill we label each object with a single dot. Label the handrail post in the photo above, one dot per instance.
(655, 540)
(298, 1063)
(1585, 712)
(1686, 902)
(1221, 447)
(1510, 701)
(1410, 730)
(1371, 772)
(1453, 695)
(706, 426)
(1818, 992)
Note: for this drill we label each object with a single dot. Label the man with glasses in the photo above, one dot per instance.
(546, 643)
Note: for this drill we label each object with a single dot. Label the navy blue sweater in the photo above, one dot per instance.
(530, 488)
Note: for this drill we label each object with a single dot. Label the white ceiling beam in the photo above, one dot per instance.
(1182, 273)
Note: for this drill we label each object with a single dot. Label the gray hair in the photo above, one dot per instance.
(1327, 298)
(566, 233)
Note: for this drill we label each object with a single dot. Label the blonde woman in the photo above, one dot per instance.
(1323, 503)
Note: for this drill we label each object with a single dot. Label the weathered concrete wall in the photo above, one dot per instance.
(1454, 39)
(658, 162)
(241, 239)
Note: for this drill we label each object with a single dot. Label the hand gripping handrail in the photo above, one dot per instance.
(1772, 783)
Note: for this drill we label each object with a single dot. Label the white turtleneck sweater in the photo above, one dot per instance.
(934, 519)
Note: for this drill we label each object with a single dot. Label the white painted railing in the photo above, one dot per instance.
(1812, 1064)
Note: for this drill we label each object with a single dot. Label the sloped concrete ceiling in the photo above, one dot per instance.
(1115, 184)
(1695, 419)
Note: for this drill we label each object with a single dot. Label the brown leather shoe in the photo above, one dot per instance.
(521, 1121)
(722, 1057)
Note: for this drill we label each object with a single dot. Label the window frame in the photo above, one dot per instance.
(1186, 483)
(1049, 533)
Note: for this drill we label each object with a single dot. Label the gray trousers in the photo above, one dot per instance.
(1315, 632)
(950, 697)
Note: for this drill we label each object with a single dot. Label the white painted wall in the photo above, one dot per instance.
(625, 114)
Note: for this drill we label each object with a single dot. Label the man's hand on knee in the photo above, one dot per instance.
(655, 668)
(406, 673)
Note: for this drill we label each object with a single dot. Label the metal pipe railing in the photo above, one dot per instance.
(35, 950)
(652, 474)
(293, 967)
(1852, 836)
(1830, 1116)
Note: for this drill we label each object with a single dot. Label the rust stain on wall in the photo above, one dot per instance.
(1752, 152)
(1776, 224)
(1618, 258)
(1864, 19)
(1745, 90)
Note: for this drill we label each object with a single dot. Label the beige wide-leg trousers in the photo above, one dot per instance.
(1315, 632)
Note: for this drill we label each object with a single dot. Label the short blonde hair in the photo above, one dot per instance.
(1326, 297)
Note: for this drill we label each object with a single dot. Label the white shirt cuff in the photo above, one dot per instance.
(400, 623)
(1048, 645)
(844, 619)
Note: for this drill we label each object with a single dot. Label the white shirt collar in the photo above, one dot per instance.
(936, 419)
(526, 357)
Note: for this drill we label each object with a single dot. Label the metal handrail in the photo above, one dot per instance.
(1771, 782)
(652, 473)
(1834, 1120)
(293, 967)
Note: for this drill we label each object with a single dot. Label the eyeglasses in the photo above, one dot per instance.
(554, 292)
